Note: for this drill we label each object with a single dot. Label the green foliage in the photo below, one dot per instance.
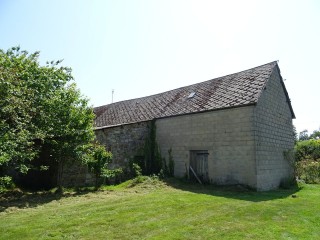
(308, 149)
(149, 158)
(168, 169)
(137, 170)
(6, 183)
(303, 135)
(40, 109)
(111, 173)
(307, 156)
(315, 134)
(153, 159)
(171, 164)
(98, 159)
(308, 171)
(134, 168)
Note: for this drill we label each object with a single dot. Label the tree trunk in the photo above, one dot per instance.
(97, 181)
(59, 177)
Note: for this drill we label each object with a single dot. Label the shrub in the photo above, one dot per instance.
(309, 171)
(308, 149)
(98, 159)
(136, 169)
(6, 183)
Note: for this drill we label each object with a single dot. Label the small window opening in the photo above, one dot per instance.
(191, 95)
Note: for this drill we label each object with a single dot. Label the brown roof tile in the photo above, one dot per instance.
(233, 90)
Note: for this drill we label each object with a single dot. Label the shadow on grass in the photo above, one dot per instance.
(235, 191)
(23, 199)
(18, 199)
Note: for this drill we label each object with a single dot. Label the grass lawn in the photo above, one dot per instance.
(163, 210)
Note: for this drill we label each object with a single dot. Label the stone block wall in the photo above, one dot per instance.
(227, 135)
(125, 141)
(246, 145)
(76, 174)
(274, 134)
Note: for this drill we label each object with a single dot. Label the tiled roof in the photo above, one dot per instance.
(233, 90)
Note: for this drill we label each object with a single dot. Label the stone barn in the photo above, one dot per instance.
(235, 129)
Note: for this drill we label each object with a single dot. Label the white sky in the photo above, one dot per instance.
(139, 48)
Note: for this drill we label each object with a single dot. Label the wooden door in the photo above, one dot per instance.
(199, 163)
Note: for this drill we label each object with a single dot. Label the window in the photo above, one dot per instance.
(191, 95)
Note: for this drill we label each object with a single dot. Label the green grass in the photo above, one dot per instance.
(163, 210)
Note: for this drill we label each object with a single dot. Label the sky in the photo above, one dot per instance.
(143, 47)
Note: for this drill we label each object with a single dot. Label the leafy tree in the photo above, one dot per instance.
(315, 134)
(303, 135)
(41, 109)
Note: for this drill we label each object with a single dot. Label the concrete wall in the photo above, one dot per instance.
(227, 135)
(274, 135)
(124, 141)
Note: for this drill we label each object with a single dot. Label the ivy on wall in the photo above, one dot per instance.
(149, 157)
(152, 156)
